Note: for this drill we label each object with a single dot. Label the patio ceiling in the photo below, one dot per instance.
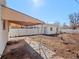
(18, 17)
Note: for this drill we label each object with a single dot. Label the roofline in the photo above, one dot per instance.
(24, 14)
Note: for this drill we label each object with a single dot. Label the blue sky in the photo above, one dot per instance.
(49, 11)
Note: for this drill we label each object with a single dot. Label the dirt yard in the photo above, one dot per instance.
(65, 45)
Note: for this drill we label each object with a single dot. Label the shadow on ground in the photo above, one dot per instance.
(20, 50)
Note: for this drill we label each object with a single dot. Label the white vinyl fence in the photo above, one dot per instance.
(21, 32)
(69, 31)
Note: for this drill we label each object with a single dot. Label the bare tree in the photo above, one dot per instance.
(65, 26)
(77, 1)
(74, 20)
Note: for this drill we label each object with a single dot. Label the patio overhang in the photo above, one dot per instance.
(14, 16)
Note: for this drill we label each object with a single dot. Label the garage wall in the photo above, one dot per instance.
(50, 30)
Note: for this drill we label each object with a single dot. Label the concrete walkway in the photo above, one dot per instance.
(42, 50)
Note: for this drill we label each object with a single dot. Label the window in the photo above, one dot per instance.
(4, 26)
(51, 29)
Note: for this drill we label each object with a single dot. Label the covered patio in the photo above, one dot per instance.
(7, 16)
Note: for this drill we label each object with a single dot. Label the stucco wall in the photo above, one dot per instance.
(49, 31)
(3, 34)
(3, 37)
(3, 40)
